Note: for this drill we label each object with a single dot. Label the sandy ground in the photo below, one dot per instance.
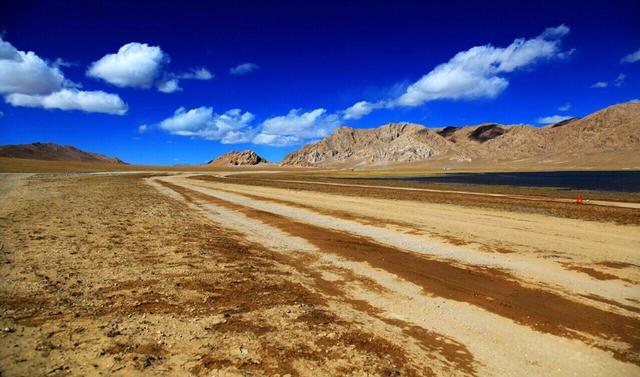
(534, 246)
(130, 275)
(607, 203)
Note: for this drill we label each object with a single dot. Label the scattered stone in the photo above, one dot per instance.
(148, 361)
(46, 345)
(58, 369)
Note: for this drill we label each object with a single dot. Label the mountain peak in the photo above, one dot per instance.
(236, 158)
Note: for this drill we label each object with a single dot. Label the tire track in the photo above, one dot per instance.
(489, 289)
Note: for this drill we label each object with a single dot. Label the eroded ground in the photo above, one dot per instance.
(175, 275)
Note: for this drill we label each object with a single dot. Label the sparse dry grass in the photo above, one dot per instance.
(103, 274)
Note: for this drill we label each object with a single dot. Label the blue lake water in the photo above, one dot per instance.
(622, 181)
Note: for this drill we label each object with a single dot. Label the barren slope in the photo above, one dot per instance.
(389, 143)
(594, 138)
(233, 158)
(55, 152)
(616, 128)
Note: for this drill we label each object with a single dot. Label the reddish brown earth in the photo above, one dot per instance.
(492, 290)
(130, 274)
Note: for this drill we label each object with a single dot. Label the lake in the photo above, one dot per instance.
(621, 181)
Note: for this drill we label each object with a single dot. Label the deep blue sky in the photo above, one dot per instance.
(323, 55)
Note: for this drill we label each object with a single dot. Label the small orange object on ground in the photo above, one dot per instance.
(580, 199)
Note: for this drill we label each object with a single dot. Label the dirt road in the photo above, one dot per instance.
(606, 203)
(173, 275)
(498, 283)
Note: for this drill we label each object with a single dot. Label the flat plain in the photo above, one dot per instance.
(218, 273)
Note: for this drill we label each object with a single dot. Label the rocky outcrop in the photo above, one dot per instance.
(401, 142)
(616, 128)
(234, 158)
(55, 152)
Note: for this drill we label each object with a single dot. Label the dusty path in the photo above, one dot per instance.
(537, 247)
(606, 203)
(104, 275)
(122, 274)
(469, 293)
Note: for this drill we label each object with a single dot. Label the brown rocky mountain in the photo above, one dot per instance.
(389, 143)
(615, 129)
(51, 151)
(234, 158)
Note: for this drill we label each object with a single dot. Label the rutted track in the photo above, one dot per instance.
(474, 299)
(606, 203)
(510, 201)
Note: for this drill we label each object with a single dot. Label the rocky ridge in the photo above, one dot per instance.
(613, 129)
(235, 158)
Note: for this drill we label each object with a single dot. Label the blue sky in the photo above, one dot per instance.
(203, 78)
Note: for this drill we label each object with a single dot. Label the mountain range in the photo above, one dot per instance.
(611, 133)
(606, 139)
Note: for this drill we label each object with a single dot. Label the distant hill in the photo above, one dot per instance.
(401, 142)
(235, 158)
(54, 152)
(613, 130)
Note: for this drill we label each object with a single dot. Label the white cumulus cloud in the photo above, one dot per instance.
(59, 62)
(196, 74)
(618, 81)
(555, 32)
(478, 72)
(239, 136)
(360, 109)
(296, 126)
(8, 52)
(565, 107)
(275, 140)
(188, 123)
(632, 57)
(135, 65)
(72, 99)
(27, 80)
(26, 73)
(168, 86)
(234, 126)
(203, 122)
(553, 119)
(171, 82)
(140, 65)
(243, 69)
